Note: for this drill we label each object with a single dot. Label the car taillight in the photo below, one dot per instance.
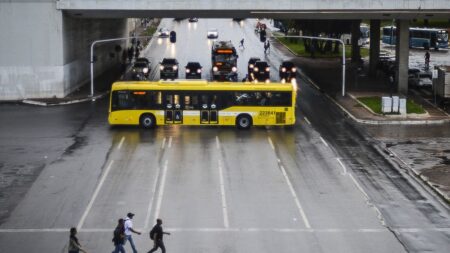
(267, 69)
(234, 69)
(215, 68)
(283, 69)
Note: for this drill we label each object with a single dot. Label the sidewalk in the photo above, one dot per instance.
(326, 75)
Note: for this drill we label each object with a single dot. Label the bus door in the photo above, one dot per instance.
(173, 113)
(208, 112)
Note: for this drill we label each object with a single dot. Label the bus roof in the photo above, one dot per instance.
(200, 85)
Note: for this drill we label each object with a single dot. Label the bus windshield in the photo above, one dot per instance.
(442, 35)
(224, 58)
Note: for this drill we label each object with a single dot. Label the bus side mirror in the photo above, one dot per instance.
(173, 37)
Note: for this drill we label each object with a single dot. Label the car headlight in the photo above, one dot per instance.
(251, 66)
(199, 71)
(145, 70)
(174, 67)
(256, 69)
(267, 69)
(283, 80)
(283, 69)
(267, 80)
(161, 67)
(294, 69)
(215, 68)
(234, 69)
(188, 71)
(134, 70)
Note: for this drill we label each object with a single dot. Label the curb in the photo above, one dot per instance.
(75, 101)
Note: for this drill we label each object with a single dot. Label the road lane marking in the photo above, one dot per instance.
(121, 142)
(169, 144)
(278, 230)
(94, 196)
(271, 143)
(358, 186)
(307, 121)
(163, 143)
(161, 190)
(217, 142)
(324, 142)
(224, 199)
(344, 169)
(150, 205)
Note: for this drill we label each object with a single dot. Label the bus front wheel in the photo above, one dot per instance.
(147, 121)
(244, 121)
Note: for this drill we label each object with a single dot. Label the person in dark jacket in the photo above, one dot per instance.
(119, 237)
(74, 245)
(156, 234)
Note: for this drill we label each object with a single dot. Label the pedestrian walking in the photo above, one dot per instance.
(427, 60)
(266, 46)
(129, 229)
(119, 237)
(156, 234)
(242, 44)
(74, 244)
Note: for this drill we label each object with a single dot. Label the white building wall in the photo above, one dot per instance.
(45, 53)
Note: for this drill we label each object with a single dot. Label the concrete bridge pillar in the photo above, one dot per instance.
(374, 46)
(356, 32)
(402, 55)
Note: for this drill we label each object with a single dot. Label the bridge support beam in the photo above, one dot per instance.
(374, 46)
(402, 56)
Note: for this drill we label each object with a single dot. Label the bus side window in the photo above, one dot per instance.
(122, 100)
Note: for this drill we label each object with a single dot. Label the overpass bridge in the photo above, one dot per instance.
(45, 43)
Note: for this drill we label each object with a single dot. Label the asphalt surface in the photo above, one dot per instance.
(322, 186)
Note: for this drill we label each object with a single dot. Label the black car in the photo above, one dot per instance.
(193, 19)
(250, 66)
(287, 71)
(193, 70)
(168, 68)
(141, 67)
(261, 71)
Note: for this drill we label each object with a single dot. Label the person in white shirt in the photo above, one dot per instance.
(129, 229)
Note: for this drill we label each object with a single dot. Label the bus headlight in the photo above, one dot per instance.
(256, 69)
(188, 71)
(215, 68)
(251, 66)
(283, 69)
(294, 69)
(174, 67)
(161, 67)
(199, 71)
(234, 69)
(145, 70)
(267, 69)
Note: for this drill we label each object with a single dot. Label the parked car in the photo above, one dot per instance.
(168, 68)
(250, 66)
(287, 71)
(163, 32)
(212, 33)
(193, 19)
(261, 72)
(420, 79)
(193, 70)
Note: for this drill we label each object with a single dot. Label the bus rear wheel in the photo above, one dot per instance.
(244, 122)
(147, 121)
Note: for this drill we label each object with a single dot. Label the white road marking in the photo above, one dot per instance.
(121, 142)
(291, 188)
(324, 142)
(217, 142)
(344, 169)
(161, 190)
(150, 205)
(271, 143)
(278, 230)
(358, 186)
(224, 199)
(94, 196)
(170, 142)
(163, 143)
(307, 121)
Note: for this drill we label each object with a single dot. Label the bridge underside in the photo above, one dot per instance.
(287, 14)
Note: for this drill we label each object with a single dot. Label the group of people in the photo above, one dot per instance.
(123, 233)
(266, 45)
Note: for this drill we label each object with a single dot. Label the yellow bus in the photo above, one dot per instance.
(198, 102)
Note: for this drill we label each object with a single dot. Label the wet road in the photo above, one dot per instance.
(321, 186)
